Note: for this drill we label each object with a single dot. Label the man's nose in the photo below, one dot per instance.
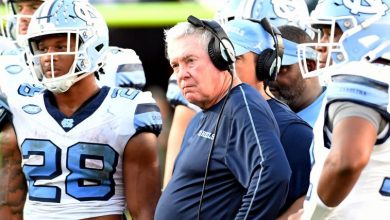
(49, 56)
(180, 72)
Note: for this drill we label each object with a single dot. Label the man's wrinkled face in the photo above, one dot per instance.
(196, 74)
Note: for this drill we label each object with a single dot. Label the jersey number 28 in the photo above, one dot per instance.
(84, 182)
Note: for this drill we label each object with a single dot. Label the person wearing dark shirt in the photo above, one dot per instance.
(256, 50)
(231, 164)
(303, 95)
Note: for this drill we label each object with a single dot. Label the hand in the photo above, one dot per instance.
(296, 216)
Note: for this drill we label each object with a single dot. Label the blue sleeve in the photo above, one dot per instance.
(361, 90)
(147, 118)
(130, 75)
(257, 159)
(296, 140)
(128, 69)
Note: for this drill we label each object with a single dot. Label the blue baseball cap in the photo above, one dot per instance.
(290, 55)
(248, 36)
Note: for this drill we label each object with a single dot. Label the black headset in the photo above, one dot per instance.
(223, 56)
(220, 48)
(269, 60)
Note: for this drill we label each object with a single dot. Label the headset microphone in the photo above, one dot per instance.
(195, 21)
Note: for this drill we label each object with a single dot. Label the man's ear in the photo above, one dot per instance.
(311, 64)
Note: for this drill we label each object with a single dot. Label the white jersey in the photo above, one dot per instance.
(13, 71)
(6, 44)
(73, 165)
(367, 86)
(123, 68)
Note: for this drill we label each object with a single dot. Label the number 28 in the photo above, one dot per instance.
(83, 183)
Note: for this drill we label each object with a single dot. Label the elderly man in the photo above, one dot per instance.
(231, 163)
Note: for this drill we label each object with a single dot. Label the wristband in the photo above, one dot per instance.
(316, 210)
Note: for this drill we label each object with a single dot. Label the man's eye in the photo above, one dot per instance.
(61, 48)
(42, 50)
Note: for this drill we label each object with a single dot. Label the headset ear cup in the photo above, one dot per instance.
(265, 65)
(278, 64)
(216, 55)
(211, 51)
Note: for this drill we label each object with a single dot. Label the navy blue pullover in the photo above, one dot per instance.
(296, 136)
(248, 174)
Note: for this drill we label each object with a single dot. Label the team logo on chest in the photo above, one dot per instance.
(67, 123)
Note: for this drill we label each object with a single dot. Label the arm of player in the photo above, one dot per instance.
(354, 135)
(142, 177)
(181, 118)
(352, 142)
(13, 188)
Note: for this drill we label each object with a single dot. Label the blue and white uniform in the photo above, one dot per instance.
(312, 111)
(13, 71)
(6, 44)
(74, 164)
(364, 93)
(248, 173)
(123, 68)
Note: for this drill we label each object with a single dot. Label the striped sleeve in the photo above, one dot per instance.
(362, 90)
(258, 161)
(147, 116)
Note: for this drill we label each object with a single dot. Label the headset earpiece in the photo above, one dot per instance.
(220, 48)
(269, 61)
(222, 54)
(265, 61)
